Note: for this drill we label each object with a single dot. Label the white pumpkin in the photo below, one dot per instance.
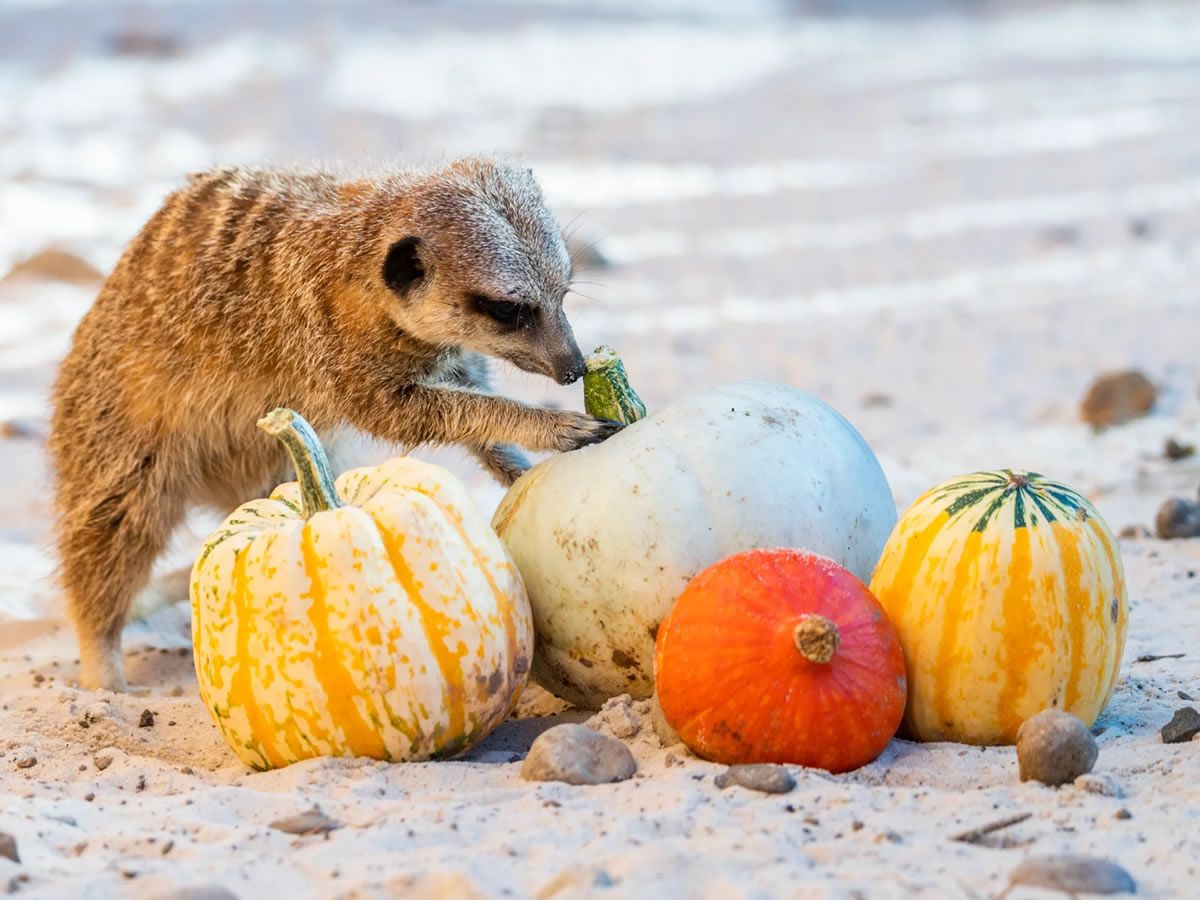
(608, 536)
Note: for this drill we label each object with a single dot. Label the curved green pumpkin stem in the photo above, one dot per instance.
(607, 393)
(308, 456)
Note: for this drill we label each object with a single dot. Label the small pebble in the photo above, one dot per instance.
(200, 892)
(577, 755)
(1133, 532)
(102, 761)
(1054, 748)
(1184, 726)
(616, 717)
(764, 777)
(1174, 449)
(1116, 398)
(1178, 518)
(147, 719)
(26, 762)
(89, 796)
(1122, 813)
(1101, 783)
(97, 711)
(1072, 874)
(312, 821)
(672, 760)
(8, 847)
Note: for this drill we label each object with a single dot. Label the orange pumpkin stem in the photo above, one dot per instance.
(817, 638)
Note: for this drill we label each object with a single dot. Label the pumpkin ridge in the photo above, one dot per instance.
(1071, 564)
(915, 553)
(1017, 636)
(1120, 597)
(241, 691)
(952, 620)
(296, 742)
(434, 625)
(503, 607)
(335, 679)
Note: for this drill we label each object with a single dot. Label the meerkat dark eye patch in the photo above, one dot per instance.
(403, 267)
(506, 313)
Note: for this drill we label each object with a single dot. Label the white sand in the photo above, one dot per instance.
(874, 208)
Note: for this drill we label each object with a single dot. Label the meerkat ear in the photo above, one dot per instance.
(403, 266)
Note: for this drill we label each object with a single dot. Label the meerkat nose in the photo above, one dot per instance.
(571, 371)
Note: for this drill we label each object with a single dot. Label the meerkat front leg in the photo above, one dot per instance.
(505, 462)
(426, 414)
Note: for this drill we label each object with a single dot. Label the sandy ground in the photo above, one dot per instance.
(946, 225)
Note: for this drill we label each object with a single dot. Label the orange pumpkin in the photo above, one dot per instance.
(780, 656)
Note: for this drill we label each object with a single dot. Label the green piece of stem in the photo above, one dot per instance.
(607, 393)
(308, 457)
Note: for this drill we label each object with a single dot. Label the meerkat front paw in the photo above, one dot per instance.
(573, 430)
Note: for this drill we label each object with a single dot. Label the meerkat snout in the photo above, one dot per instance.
(570, 369)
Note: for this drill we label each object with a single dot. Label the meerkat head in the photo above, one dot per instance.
(479, 263)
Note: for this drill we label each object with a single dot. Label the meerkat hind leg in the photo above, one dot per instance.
(108, 547)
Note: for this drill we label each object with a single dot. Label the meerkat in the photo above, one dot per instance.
(367, 304)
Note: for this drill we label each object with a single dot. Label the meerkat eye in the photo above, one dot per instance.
(504, 312)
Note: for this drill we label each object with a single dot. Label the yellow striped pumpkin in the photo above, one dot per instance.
(376, 616)
(1009, 596)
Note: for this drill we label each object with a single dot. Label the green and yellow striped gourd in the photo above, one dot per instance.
(1009, 596)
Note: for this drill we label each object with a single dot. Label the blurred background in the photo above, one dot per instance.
(944, 218)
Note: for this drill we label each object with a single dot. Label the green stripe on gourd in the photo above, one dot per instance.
(1030, 494)
(607, 393)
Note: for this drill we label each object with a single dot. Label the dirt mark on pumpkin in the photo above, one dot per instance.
(623, 659)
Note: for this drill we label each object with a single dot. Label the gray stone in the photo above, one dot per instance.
(1178, 518)
(577, 755)
(8, 847)
(764, 777)
(1055, 748)
(312, 821)
(1184, 726)
(200, 892)
(1071, 874)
